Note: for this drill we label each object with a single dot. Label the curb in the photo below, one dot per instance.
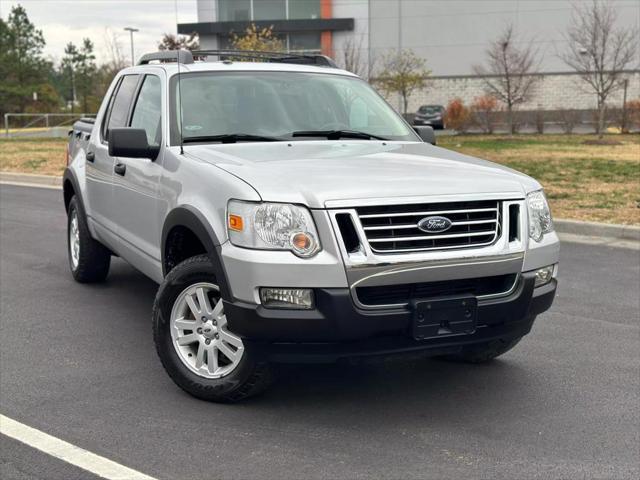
(31, 179)
(574, 227)
(594, 229)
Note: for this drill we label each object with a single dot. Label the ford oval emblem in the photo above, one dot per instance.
(434, 224)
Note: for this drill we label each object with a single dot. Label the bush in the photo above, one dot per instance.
(457, 116)
(484, 108)
(568, 120)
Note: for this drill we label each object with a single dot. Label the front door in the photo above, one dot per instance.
(99, 165)
(135, 183)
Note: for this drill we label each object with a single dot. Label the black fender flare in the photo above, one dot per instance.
(191, 218)
(70, 176)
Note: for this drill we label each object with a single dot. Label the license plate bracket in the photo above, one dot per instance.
(444, 316)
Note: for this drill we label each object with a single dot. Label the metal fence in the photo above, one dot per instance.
(40, 124)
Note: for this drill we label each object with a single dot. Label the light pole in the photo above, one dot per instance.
(131, 30)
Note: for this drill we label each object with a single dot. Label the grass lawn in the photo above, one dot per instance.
(583, 182)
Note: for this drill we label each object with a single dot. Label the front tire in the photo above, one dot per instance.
(89, 260)
(198, 351)
(483, 352)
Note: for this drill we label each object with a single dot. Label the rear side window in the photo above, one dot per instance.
(147, 112)
(121, 103)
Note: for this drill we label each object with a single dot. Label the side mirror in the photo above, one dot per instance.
(426, 133)
(131, 142)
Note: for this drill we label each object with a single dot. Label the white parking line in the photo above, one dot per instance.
(67, 452)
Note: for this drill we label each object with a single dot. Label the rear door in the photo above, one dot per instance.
(136, 184)
(99, 165)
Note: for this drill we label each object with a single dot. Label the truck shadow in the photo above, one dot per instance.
(404, 390)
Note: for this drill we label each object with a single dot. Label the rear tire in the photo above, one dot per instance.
(193, 342)
(484, 352)
(89, 260)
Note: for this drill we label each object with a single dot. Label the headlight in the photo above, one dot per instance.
(272, 226)
(539, 215)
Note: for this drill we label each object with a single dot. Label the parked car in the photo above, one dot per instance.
(432, 115)
(290, 215)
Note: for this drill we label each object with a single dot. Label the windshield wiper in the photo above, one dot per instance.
(231, 138)
(336, 134)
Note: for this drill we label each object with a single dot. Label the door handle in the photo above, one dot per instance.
(120, 168)
(90, 157)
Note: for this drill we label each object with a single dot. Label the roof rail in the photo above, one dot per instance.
(182, 56)
(271, 57)
(186, 57)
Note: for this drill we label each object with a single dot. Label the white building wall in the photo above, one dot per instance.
(359, 37)
(550, 92)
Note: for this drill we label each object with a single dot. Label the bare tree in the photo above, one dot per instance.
(599, 51)
(403, 73)
(115, 57)
(351, 57)
(507, 74)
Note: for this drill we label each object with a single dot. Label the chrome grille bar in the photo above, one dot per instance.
(389, 228)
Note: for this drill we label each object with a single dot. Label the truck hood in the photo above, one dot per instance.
(315, 173)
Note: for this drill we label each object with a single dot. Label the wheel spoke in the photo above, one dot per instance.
(183, 324)
(230, 338)
(200, 355)
(188, 339)
(203, 300)
(227, 352)
(218, 309)
(212, 359)
(195, 310)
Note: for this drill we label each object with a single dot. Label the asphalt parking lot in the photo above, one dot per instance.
(78, 363)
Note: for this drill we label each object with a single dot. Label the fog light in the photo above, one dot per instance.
(543, 276)
(294, 298)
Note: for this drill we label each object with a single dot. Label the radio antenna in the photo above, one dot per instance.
(175, 3)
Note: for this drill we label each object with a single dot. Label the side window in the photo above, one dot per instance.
(107, 113)
(121, 104)
(148, 109)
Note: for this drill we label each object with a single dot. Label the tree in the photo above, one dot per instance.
(403, 73)
(351, 58)
(257, 40)
(179, 42)
(599, 51)
(80, 67)
(22, 69)
(507, 74)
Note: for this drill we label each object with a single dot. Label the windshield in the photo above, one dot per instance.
(430, 109)
(279, 105)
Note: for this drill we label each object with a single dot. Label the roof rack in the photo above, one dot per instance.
(182, 56)
(186, 57)
(271, 57)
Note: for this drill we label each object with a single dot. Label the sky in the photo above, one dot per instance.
(63, 21)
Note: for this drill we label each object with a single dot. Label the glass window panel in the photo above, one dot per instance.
(304, 8)
(269, 9)
(304, 41)
(121, 104)
(148, 109)
(234, 10)
(280, 103)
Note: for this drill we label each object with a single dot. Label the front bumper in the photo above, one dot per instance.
(337, 328)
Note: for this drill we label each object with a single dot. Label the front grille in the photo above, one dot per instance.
(407, 292)
(394, 228)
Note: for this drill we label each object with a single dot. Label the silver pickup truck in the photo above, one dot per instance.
(289, 214)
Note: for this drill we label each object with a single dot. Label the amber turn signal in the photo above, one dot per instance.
(235, 223)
